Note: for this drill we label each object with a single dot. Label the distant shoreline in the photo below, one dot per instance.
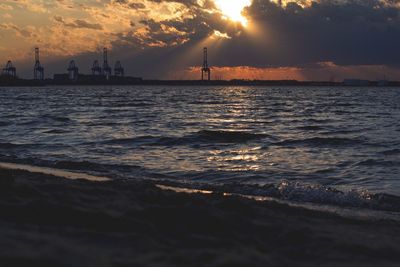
(10, 82)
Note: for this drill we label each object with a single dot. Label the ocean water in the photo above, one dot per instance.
(338, 146)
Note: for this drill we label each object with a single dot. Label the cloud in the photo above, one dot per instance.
(7, 16)
(79, 23)
(345, 32)
(160, 37)
(133, 5)
(21, 32)
(38, 6)
(292, 35)
(5, 7)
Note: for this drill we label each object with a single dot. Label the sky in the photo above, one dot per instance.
(246, 39)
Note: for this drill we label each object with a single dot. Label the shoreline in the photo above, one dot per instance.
(135, 223)
(368, 210)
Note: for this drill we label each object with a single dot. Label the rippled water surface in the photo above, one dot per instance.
(345, 138)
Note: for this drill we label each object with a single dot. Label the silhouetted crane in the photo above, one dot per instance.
(73, 71)
(106, 67)
(205, 70)
(118, 69)
(10, 70)
(96, 69)
(38, 70)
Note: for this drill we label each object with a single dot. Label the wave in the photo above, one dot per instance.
(228, 136)
(293, 192)
(319, 121)
(5, 123)
(118, 108)
(296, 192)
(200, 137)
(9, 145)
(391, 152)
(216, 102)
(310, 128)
(321, 141)
(55, 131)
(132, 103)
(340, 132)
(17, 146)
(231, 137)
(27, 98)
(56, 118)
(24, 147)
(91, 166)
(376, 162)
(45, 119)
(146, 139)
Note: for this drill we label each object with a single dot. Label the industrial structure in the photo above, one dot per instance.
(106, 67)
(73, 71)
(118, 69)
(38, 70)
(205, 70)
(96, 69)
(10, 70)
(100, 74)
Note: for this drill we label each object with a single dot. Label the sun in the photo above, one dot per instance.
(232, 9)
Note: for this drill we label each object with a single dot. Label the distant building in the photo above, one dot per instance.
(61, 77)
(383, 83)
(356, 82)
(64, 78)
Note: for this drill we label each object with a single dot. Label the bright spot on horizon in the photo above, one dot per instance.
(232, 9)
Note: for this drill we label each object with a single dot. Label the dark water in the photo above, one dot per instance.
(304, 143)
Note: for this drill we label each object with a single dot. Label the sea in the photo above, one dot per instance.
(335, 146)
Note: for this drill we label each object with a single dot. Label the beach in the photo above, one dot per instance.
(52, 221)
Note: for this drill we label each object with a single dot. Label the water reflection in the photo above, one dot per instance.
(243, 159)
(333, 136)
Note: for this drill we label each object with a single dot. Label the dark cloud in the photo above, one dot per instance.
(348, 32)
(344, 32)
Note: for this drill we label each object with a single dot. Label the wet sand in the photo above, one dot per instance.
(51, 221)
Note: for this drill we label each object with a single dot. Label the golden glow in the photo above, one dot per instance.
(232, 9)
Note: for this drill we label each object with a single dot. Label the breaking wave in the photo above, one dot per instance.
(200, 137)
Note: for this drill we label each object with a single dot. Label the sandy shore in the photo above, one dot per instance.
(51, 221)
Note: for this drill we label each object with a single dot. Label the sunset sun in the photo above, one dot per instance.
(232, 9)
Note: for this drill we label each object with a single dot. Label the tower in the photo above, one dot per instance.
(38, 70)
(73, 71)
(106, 67)
(96, 69)
(10, 70)
(118, 69)
(205, 70)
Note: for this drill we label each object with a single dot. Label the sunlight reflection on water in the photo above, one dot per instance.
(342, 137)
